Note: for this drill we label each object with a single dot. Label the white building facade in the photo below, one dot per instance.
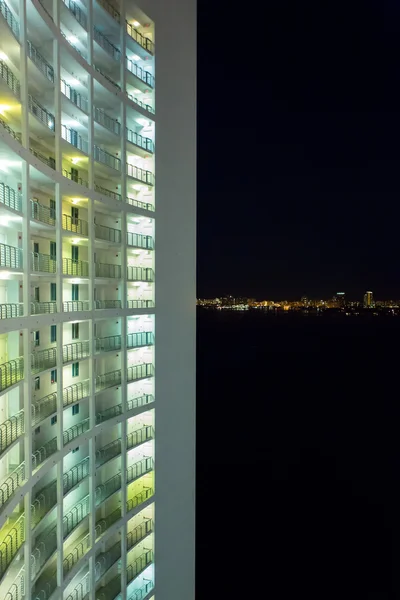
(97, 299)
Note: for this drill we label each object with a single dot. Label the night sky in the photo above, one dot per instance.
(299, 148)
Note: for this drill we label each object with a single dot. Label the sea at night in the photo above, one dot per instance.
(298, 456)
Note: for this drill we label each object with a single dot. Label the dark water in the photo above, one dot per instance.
(298, 457)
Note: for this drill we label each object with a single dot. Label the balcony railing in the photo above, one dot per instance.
(140, 174)
(11, 430)
(74, 138)
(107, 270)
(72, 176)
(142, 592)
(43, 263)
(139, 38)
(81, 590)
(43, 359)
(103, 119)
(109, 234)
(78, 472)
(105, 304)
(139, 498)
(17, 589)
(42, 213)
(111, 10)
(108, 452)
(10, 197)
(105, 43)
(11, 544)
(108, 344)
(137, 240)
(11, 372)
(139, 72)
(10, 257)
(74, 96)
(111, 81)
(38, 59)
(76, 554)
(76, 268)
(76, 305)
(43, 453)
(139, 339)
(11, 483)
(106, 559)
(76, 392)
(47, 160)
(11, 311)
(140, 303)
(75, 431)
(103, 524)
(138, 534)
(8, 76)
(139, 204)
(139, 372)
(107, 380)
(75, 351)
(113, 588)
(106, 158)
(106, 192)
(75, 225)
(10, 19)
(139, 274)
(108, 413)
(77, 12)
(139, 140)
(139, 468)
(40, 112)
(147, 107)
(43, 408)
(44, 501)
(140, 436)
(43, 308)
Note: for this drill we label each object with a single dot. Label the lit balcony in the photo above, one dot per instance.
(140, 73)
(43, 308)
(139, 274)
(10, 19)
(75, 225)
(75, 431)
(113, 588)
(10, 257)
(11, 311)
(109, 343)
(110, 9)
(137, 372)
(43, 452)
(138, 499)
(74, 96)
(105, 192)
(139, 204)
(76, 12)
(11, 483)
(106, 121)
(139, 339)
(139, 174)
(42, 64)
(107, 270)
(75, 392)
(43, 408)
(107, 304)
(41, 113)
(42, 213)
(12, 541)
(113, 484)
(108, 234)
(140, 141)
(11, 430)
(43, 263)
(105, 158)
(133, 439)
(74, 138)
(76, 305)
(71, 175)
(9, 78)
(137, 240)
(75, 351)
(140, 304)
(11, 372)
(10, 197)
(114, 411)
(75, 268)
(139, 38)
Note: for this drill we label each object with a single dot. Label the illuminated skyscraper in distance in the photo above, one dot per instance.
(369, 300)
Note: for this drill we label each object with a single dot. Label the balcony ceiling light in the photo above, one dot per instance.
(74, 160)
(143, 122)
(134, 57)
(3, 56)
(136, 24)
(72, 39)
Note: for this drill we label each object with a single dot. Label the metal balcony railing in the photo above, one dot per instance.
(139, 372)
(11, 311)
(139, 38)
(138, 534)
(111, 10)
(40, 112)
(103, 524)
(43, 263)
(139, 339)
(139, 140)
(11, 483)
(142, 592)
(42, 453)
(8, 76)
(140, 73)
(107, 380)
(108, 413)
(11, 544)
(47, 160)
(75, 475)
(108, 452)
(75, 351)
(77, 12)
(106, 559)
(38, 59)
(140, 174)
(106, 192)
(76, 515)
(44, 501)
(76, 268)
(43, 359)
(139, 498)
(140, 303)
(139, 401)
(109, 234)
(139, 274)
(10, 197)
(74, 138)
(17, 589)
(76, 392)
(43, 308)
(140, 436)
(147, 107)
(10, 257)
(107, 270)
(76, 305)
(75, 431)
(139, 564)
(11, 21)
(144, 205)
(11, 430)
(76, 554)
(104, 304)
(108, 344)
(42, 213)
(75, 225)
(108, 122)
(139, 468)
(74, 177)
(45, 546)
(44, 407)
(74, 96)
(106, 158)
(113, 83)
(105, 43)
(137, 240)
(81, 590)
(11, 372)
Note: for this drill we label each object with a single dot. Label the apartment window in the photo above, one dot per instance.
(53, 376)
(53, 333)
(75, 369)
(75, 252)
(75, 331)
(74, 174)
(36, 247)
(74, 215)
(75, 409)
(36, 294)
(53, 420)
(53, 292)
(37, 383)
(52, 208)
(53, 250)
(36, 338)
(75, 292)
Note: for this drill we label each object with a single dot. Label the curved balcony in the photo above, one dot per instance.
(74, 138)
(140, 73)
(139, 140)
(75, 225)
(11, 430)
(142, 592)
(43, 453)
(43, 308)
(10, 257)
(107, 270)
(141, 175)
(101, 117)
(139, 274)
(43, 408)
(107, 380)
(72, 176)
(105, 158)
(74, 9)
(38, 59)
(43, 359)
(43, 263)
(9, 78)
(11, 372)
(138, 204)
(76, 305)
(41, 113)
(140, 304)
(106, 192)
(42, 213)
(109, 343)
(81, 590)
(139, 38)
(10, 197)
(75, 268)
(78, 551)
(107, 304)
(75, 97)
(110, 9)
(137, 240)
(75, 351)
(11, 311)
(113, 484)
(137, 372)
(76, 392)
(138, 499)
(11, 543)
(108, 234)
(139, 339)
(105, 43)
(113, 588)
(10, 19)
(133, 439)
(11, 483)
(75, 431)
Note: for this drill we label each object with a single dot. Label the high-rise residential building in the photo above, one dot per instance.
(97, 299)
(369, 300)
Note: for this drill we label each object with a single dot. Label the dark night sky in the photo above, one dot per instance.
(299, 148)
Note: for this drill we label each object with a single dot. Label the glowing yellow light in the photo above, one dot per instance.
(136, 23)
(3, 56)
(3, 108)
(74, 160)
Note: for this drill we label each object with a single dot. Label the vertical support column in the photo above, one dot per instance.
(57, 94)
(24, 75)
